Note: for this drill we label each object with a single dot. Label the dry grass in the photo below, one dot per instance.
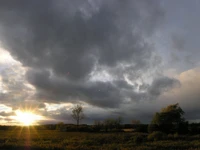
(52, 139)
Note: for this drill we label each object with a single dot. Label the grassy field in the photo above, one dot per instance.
(31, 139)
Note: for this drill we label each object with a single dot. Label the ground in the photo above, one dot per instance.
(32, 139)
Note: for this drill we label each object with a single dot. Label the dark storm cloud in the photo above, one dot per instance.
(97, 93)
(192, 115)
(62, 42)
(162, 84)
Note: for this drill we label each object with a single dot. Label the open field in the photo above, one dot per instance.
(29, 138)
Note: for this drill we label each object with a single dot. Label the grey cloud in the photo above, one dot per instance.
(14, 88)
(62, 114)
(190, 60)
(150, 92)
(175, 58)
(97, 93)
(143, 87)
(178, 42)
(5, 114)
(175, 91)
(192, 115)
(182, 45)
(162, 84)
(62, 42)
(182, 30)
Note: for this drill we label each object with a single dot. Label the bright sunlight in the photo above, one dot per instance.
(27, 118)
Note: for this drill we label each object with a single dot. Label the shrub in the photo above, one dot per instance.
(138, 139)
(141, 128)
(170, 136)
(156, 136)
(153, 128)
(176, 135)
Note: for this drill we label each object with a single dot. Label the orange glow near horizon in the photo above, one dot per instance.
(27, 118)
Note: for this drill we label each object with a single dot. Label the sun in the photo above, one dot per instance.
(26, 118)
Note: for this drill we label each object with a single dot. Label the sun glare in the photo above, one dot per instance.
(27, 118)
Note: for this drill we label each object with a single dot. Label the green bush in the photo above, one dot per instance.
(156, 136)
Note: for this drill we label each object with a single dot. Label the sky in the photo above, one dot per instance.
(116, 58)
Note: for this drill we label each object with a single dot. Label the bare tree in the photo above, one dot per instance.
(77, 113)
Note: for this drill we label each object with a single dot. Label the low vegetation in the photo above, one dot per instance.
(42, 139)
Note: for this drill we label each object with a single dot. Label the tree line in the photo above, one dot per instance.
(169, 120)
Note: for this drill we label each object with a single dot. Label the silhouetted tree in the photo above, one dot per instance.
(118, 123)
(110, 124)
(168, 120)
(77, 113)
(98, 125)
